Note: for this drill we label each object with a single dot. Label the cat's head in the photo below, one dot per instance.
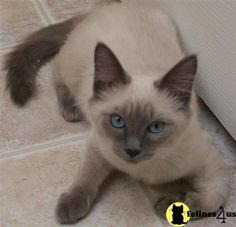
(139, 117)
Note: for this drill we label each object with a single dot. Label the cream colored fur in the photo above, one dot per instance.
(132, 34)
(145, 42)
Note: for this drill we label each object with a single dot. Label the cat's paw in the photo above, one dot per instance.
(196, 201)
(71, 207)
(164, 202)
(72, 113)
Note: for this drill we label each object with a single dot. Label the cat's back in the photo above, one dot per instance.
(143, 39)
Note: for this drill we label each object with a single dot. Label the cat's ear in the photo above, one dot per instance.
(179, 80)
(109, 73)
(181, 206)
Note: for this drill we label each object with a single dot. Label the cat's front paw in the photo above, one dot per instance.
(71, 207)
(164, 202)
(72, 113)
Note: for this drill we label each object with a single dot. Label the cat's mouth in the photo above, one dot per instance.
(132, 159)
(136, 159)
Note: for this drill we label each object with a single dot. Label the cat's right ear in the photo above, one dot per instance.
(179, 80)
(109, 73)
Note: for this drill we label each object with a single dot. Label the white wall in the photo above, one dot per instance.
(208, 28)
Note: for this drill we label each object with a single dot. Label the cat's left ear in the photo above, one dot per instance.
(179, 80)
(109, 73)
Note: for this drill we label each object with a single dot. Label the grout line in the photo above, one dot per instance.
(43, 17)
(43, 146)
(44, 11)
(2, 54)
(8, 48)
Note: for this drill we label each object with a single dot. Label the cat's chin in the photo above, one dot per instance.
(135, 160)
(132, 161)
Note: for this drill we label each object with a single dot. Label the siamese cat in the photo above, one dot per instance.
(122, 69)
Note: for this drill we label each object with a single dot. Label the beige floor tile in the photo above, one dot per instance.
(17, 19)
(39, 121)
(31, 184)
(60, 10)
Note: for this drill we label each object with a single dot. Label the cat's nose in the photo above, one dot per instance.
(132, 152)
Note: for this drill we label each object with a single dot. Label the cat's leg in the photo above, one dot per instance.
(170, 193)
(210, 187)
(165, 200)
(76, 203)
(67, 105)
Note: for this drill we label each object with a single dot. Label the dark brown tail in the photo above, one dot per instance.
(24, 62)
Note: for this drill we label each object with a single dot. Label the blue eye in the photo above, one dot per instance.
(156, 127)
(117, 121)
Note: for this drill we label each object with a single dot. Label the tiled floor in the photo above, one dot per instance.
(39, 151)
(18, 18)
